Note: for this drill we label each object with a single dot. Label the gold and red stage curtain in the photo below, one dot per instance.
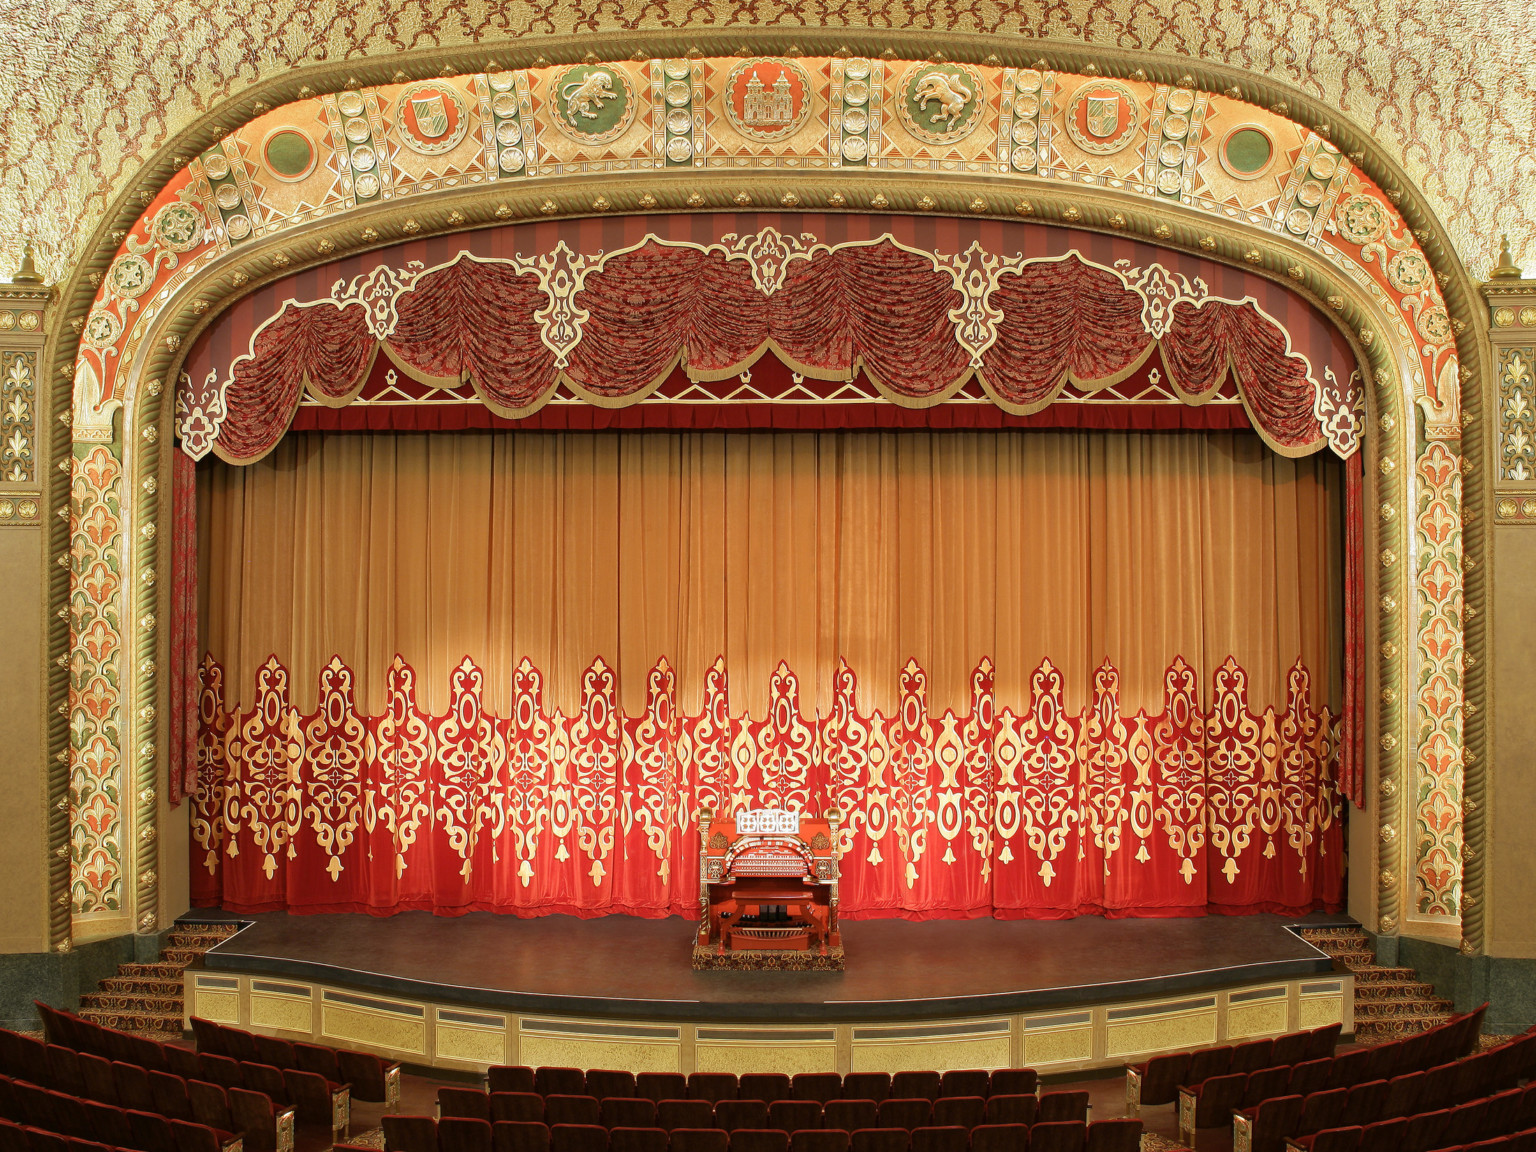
(1043, 674)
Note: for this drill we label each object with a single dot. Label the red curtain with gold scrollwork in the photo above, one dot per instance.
(1040, 674)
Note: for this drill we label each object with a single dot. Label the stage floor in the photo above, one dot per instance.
(621, 967)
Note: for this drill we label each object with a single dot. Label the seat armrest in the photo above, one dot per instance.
(284, 1130)
(1133, 1074)
(1189, 1099)
(392, 1086)
(1242, 1131)
(341, 1109)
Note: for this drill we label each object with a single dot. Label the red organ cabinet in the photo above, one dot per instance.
(768, 891)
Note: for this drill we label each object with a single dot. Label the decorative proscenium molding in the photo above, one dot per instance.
(1388, 331)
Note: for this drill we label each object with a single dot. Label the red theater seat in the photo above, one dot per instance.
(737, 1114)
(626, 1139)
(764, 1086)
(1364, 1104)
(1308, 1077)
(908, 1114)
(661, 1086)
(271, 1050)
(1265, 1084)
(699, 1140)
(1251, 1056)
(693, 1114)
(313, 1099)
(576, 1138)
(567, 1110)
(604, 1082)
(100, 1078)
(874, 1086)
(169, 1093)
(915, 1085)
(849, 1115)
(1114, 1136)
(131, 1087)
(1323, 1110)
(1384, 1136)
(517, 1108)
(1007, 1110)
(940, 1138)
(183, 1062)
(1213, 1101)
(409, 1133)
(1350, 1068)
(966, 1082)
(210, 1106)
(818, 1086)
(551, 1081)
(1013, 1082)
(818, 1140)
(1058, 1136)
(518, 1136)
(1157, 1080)
(880, 1140)
(1208, 1062)
(463, 1134)
(509, 1078)
(626, 1112)
(959, 1112)
(794, 1115)
(1058, 1106)
(712, 1086)
(759, 1140)
(1271, 1122)
(467, 1102)
(1000, 1138)
(198, 1137)
(151, 1132)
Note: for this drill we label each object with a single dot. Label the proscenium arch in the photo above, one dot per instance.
(1392, 442)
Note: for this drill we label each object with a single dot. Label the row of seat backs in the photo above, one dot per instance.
(367, 1074)
(789, 1115)
(32, 1106)
(1409, 1095)
(16, 1137)
(1497, 1116)
(461, 1134)
(1161, 1076)
(1444, 1044)
(764, 1086)
(131, 1085)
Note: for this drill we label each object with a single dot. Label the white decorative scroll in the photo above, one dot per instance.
(1160, 291)
(769, 821)
(562, 274)
(769, 253)
(378, 291)
(1340, 409)
(974, 274)
(200, 412)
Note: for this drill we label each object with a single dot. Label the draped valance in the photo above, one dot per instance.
(923, 312)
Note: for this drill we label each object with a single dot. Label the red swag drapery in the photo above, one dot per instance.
(626, 322)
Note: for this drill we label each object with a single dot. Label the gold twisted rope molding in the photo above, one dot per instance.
(1103, 208)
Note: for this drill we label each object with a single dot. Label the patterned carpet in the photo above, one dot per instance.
(374, 1138)
(1390, 1003)
(146, 999)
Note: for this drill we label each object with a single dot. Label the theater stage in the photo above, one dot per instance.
(620, 992)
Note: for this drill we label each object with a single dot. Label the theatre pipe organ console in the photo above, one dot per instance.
(768, 891)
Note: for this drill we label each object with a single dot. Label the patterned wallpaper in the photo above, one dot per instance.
(91, 88)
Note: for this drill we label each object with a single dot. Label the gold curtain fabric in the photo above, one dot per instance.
(802, 548)
(1040, 674)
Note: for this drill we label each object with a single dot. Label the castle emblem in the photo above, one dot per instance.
(941, 103)
(767, 99)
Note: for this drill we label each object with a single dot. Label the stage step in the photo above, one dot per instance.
(134, 1021)
(149, 998)
(155, 970)
(140, 986)
(1390, 1003)
(147, 1005)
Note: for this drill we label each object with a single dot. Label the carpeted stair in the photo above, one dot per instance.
(147, 998)
(1390, 1003)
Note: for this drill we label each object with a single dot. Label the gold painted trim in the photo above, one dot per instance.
(1387, 677)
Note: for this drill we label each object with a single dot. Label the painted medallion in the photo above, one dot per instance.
(592, 103)
(1102, 117)
(767, 99)
(431, 117)
(941, 103)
